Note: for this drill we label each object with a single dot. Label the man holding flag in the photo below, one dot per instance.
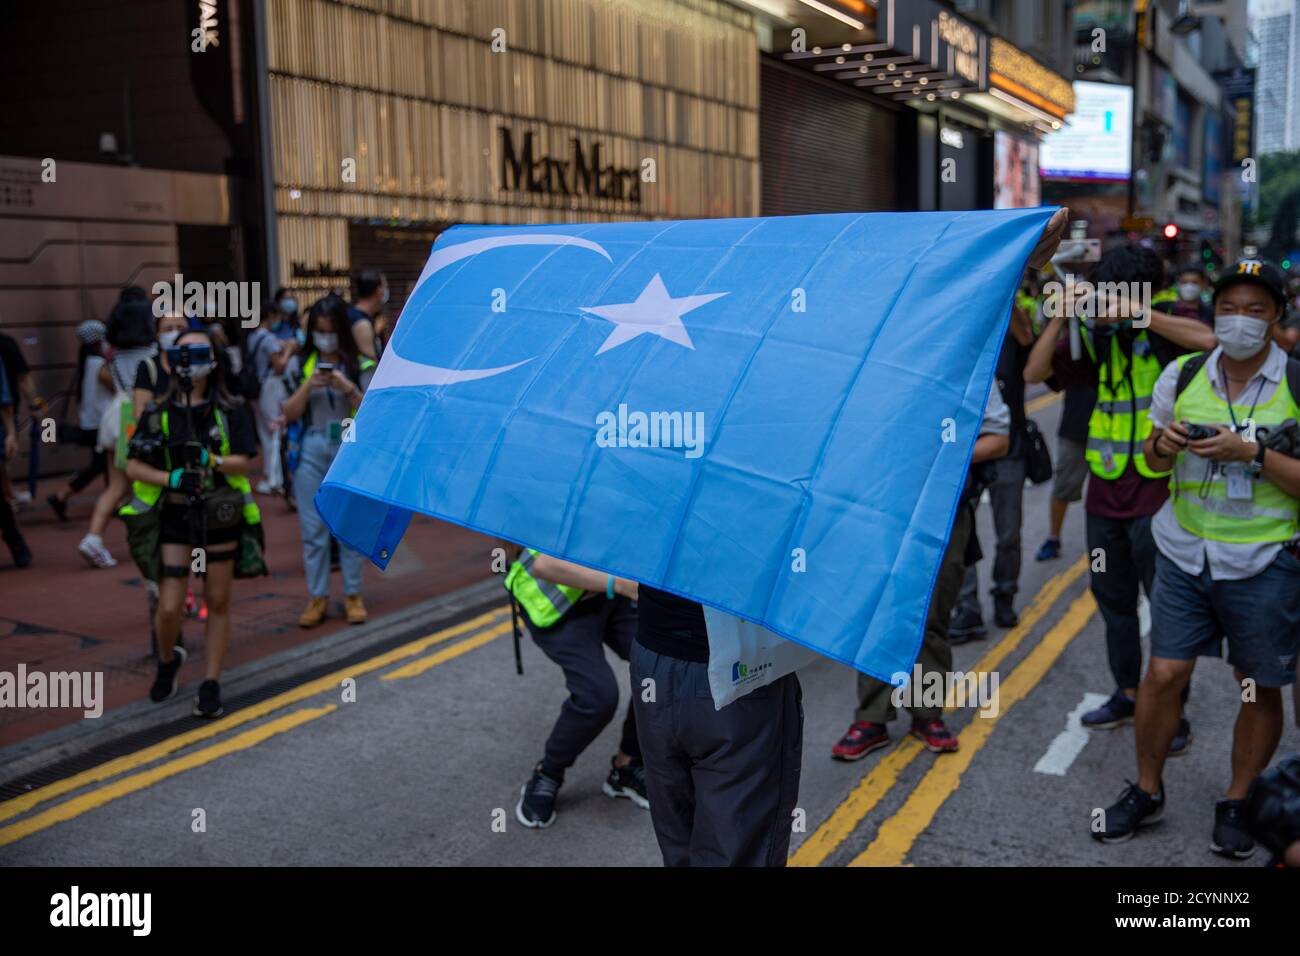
(818, 368)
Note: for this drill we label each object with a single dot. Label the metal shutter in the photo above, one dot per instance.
(822, 150)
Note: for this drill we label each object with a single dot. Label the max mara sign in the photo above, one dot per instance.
(582, 172)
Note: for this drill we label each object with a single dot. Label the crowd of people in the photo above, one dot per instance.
(1180, 418)
(187, 419)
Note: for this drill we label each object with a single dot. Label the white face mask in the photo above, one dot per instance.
(325, 341)
(1189, 291)
(168, 339)
(1240, 336)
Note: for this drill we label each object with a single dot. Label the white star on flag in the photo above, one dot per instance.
(654, 311)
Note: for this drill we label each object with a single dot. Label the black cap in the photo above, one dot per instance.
(1257, 271)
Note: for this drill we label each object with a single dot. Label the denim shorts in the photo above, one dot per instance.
(1259, 616)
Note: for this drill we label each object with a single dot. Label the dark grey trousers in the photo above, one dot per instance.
(1130, 560)
(578, 644)
(1006, 497)
(723, 784)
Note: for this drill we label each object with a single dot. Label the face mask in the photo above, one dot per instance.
(325, 341)
(168, 339)
(289, 306)
(1189, 291)
(1240, 336)
(301, 336)
(200, 371)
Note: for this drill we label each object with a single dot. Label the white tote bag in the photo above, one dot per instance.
(744, 656)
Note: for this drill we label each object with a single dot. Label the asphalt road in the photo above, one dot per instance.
(442, 733)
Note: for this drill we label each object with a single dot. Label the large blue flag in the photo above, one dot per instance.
(770, 416)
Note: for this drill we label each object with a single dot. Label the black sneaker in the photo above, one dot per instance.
(628, 781)
(536, 806)
(1118, 710)
(1135, 809)
(1004, 615)
(164, 685)
(1230, 837)
(967, 625)
(59, 505)
(207, 703)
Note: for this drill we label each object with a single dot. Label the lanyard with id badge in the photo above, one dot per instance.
(335, 428)
(1237, 473)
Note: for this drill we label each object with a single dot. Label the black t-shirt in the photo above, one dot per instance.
(159, 383)
(15, 365)
(1011, 383)
(672, 626)
(1076, 411)
(239, 429)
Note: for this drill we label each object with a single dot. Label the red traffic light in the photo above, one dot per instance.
(1171, 231)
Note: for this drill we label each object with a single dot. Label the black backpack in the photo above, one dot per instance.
(249, 385)
(1197, 361)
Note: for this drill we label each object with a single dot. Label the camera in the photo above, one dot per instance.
(184, 358)
(1199, 432)
(326, 367)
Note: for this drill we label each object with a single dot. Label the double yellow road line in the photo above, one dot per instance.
(490, 626)
(899, 832)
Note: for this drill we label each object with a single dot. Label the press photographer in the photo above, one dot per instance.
(1227, 563)
(192, 508)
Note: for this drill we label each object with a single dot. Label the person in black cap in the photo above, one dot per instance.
(1228, 557)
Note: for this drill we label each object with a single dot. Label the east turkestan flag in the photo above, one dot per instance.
(771, 416)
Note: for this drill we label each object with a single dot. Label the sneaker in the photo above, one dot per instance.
(264, 487)
(1049, 549)
(96, 555)
(22, 554)
(1004, 615)
(164, 685)
(59, 505)
(937, 738)
(1116, 711)
(207, 703)
(862, 738)
(1178, 746)
(967, 625)
(536, 806)
(355, 609)
(627, 781)
(314, 613)
(1230, 837)
(1135, 809)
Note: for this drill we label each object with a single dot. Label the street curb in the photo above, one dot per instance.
(28, 756)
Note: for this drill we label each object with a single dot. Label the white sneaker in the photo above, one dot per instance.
(263, 487)
(95, 553)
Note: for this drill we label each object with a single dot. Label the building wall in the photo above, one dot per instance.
(416, 96)
(72, 69)
(1278, 85)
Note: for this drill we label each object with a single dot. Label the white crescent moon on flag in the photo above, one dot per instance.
(395, 371)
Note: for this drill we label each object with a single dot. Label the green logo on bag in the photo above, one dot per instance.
(740, 672)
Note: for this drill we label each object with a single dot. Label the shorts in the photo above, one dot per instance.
(1260, 617)
(1071, 470)
(174, 528)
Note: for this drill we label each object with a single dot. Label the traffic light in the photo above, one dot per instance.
(1171, 231)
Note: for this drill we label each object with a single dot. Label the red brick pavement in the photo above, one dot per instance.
(62, 615)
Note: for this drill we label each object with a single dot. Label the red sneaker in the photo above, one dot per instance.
(862, 738)
(934, 735)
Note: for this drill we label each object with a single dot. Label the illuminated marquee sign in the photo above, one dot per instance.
(936, 37)
(1019, 74)
(965, 45)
